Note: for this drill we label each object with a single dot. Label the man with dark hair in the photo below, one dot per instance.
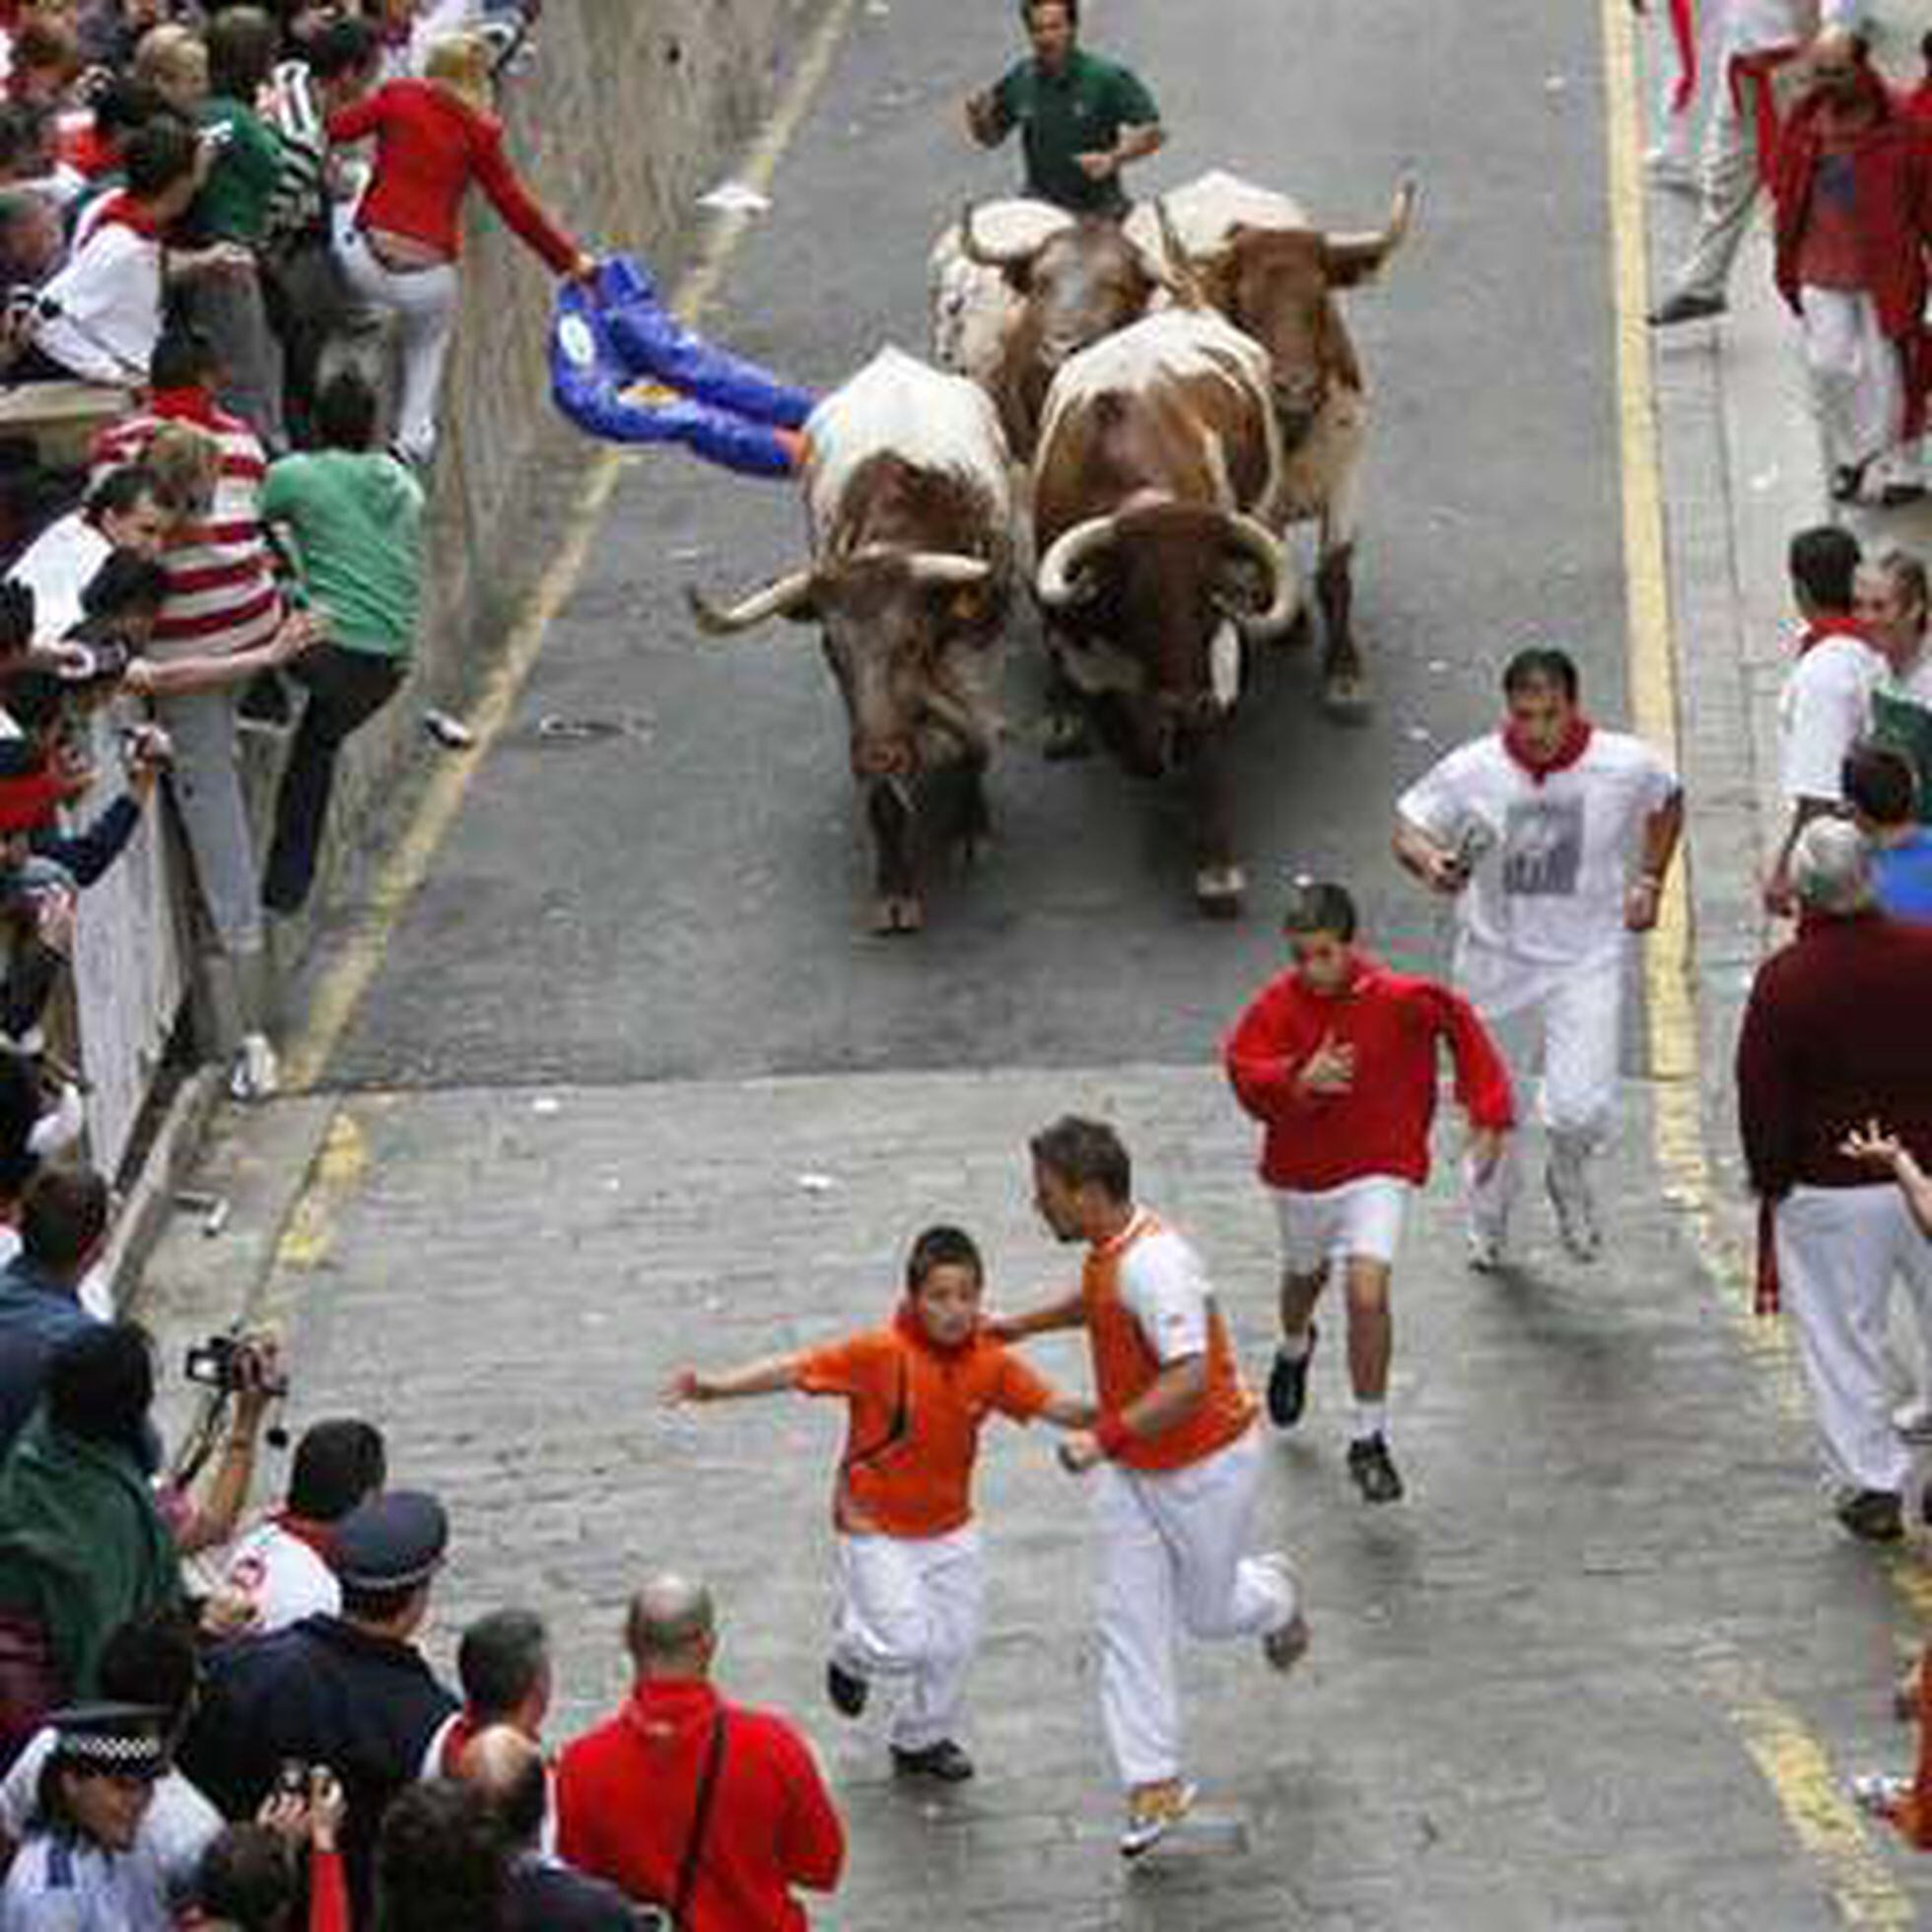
(351, 1691)
(443, 1861)
(502, 1664)
(349, 517)
(1337, 1059)
(688, 1801)
(1882, 789)
(1178, 1461)
(1081, 118)
(281, 1568)
(1554, 839)
(123, 511)
(63, 1227)
(1826, 701)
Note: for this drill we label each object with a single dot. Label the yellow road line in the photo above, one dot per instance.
(340, 987)
(1791, 1762)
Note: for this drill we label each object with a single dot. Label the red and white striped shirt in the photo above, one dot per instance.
(222, 595)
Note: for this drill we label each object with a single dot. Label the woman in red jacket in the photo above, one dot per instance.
(434, 138)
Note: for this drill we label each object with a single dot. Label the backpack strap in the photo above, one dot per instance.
(687, 1871)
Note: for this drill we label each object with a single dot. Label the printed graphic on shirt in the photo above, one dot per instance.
(1542, 848)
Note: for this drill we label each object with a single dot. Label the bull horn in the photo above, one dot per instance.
(1178, 275)
(1357, 256)
(776, 600)
(1054, 581)
(1255, 539)
(948, 568)
(979, 255)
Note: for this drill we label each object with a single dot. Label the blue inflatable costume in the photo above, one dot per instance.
(622, 367)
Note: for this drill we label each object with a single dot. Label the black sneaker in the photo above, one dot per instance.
(1375, 1473)
(944, 1760)
(1873, 1515)
(1288, 1385)
(1686, 309)
(847, 1692)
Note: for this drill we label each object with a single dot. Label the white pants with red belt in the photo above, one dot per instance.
(908, 1612)
(1838, 1252)
(1857, 380)
(1171, 1560)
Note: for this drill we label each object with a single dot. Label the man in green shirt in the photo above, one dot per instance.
(350, 518)
(1081, 118)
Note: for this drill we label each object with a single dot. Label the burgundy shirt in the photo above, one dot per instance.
(1838, 1031)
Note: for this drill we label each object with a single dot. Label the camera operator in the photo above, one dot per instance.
(251, 1878)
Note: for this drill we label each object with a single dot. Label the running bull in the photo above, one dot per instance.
(1156, 486)
(909, 502)
(1256, 257)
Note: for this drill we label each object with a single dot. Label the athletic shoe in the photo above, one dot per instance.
(1374, 1469)
(1288, 1385)
(1687, 308)
(1285, 1648)
(1152, 1811)
(1569, 1188)
(1486, 1252)
(1914, 1420)
(944, 1760)
(1873, 1515)
(255, 1073)
(848, 1692)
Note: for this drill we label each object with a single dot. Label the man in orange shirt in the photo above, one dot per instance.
(911, 1574)
(1179, 1463)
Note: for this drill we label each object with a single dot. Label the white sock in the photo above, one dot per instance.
(1295, 1347)
(1371, 1418)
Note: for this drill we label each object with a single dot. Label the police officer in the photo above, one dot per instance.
(350, 1691)
(79, 1863)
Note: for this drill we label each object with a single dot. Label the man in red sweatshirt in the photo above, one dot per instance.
(1337, 1059)
(686, 1801)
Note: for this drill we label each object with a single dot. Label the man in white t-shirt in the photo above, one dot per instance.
(281, 1566)
(123, 511)
(1554, 839)
(1825, 706)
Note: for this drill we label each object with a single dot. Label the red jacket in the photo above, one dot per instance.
(1891, 202)
(1834, 1035)
(429, 147)
(626, 1791)
(1381, 1126)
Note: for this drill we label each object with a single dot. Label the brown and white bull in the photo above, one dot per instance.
(1256, 257)
(1017, 287)
(908, 503)
(1156, 488)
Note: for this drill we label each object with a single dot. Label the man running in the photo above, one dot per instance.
(1336, 1058)
(1554, 839)
(1178, 1461)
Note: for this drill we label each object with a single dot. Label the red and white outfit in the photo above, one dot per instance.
(1824, 707)
(221, 599)
(1541, 939)
(1175, 1509)
(102, 307)
(1689, 76)
(911, 1577)
(430, 147)
(282, 1570)
(1341, 1165)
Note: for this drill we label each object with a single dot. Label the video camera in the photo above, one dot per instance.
(229, 1363)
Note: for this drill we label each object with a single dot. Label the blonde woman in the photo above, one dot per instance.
(434, 139)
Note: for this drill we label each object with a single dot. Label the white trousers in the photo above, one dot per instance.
(1675, 130)
(1838, 1252)
(424, 302)
(1171, 1560)
(1857, 386)
(1569, 1035)
(909, 1611)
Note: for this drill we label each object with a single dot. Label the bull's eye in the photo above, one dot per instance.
(967, 606)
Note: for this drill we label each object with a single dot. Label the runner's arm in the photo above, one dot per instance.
(1069, 1311)
(760, 1378)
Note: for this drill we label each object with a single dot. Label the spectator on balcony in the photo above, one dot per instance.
(434, 139)
(123, 511)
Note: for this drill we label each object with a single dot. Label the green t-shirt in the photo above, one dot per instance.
(1906, 726)
(1080, 111)
(232, 205)
(355, 519)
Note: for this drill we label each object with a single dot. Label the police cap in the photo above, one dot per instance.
(116, 1739)
(391, 1542)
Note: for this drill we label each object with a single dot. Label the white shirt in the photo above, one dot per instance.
(1545, 897)
(57, 1884)
(282, 1576)
(56, 565)
(1751, 24)
(1825, 706)
(1164, 1287)
(176, 1830)
(108, 306)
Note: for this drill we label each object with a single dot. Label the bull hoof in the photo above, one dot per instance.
(1299, 635)
(1219, 890)
(1066, 737)
(1344, 697)
(897, 914)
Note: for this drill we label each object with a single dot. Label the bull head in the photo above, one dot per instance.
(1013, 261)
(1069, 573)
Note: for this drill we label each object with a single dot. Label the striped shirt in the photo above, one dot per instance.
(222, 596)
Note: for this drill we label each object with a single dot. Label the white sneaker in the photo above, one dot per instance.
(1486, 1250)
(1152, 1811)
(255, 1075)
(1914, 1420)
(1568, 1186)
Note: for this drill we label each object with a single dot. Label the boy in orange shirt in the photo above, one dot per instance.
(911, 1574)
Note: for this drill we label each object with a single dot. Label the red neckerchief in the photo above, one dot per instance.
(189, 405)
(1837, 627)
(1574, 743)
(121, 210)
(304, 1529)
(905, 1320)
